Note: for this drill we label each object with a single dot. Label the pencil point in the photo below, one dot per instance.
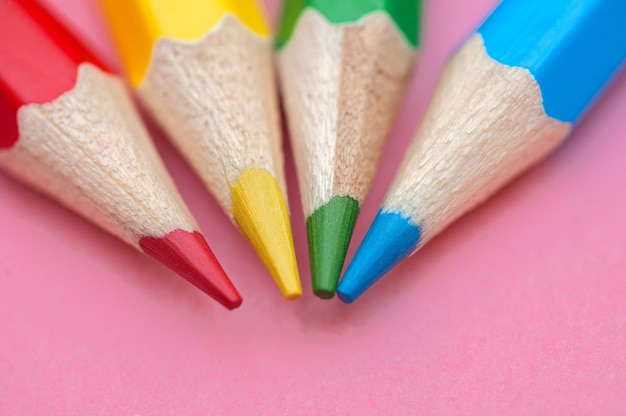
(260, 210)
(188, 254)
(390, 239)
(329, 230)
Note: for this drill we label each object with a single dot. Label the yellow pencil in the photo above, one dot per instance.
(203, 68)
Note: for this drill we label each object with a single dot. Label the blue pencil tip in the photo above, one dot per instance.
(390, 239)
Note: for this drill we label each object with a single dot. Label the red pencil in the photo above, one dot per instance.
(69, 129)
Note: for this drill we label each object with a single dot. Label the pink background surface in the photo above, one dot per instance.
(519, 308)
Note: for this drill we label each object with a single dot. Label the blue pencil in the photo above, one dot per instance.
(507, 98)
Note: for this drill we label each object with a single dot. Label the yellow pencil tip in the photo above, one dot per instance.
(260, 210)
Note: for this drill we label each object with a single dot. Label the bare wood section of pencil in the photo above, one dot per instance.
(499, 129)
(89, 150)
(342, 85)
(220, 112)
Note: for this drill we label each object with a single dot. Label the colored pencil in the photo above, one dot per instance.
(507, 98)
(204, 70)
(68, 128)
(344, 67)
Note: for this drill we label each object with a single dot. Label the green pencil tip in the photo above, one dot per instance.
(329, 230)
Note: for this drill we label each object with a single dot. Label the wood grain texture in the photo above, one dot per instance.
(506, 99)
(75, 136)
(405, 13)
(31, 39)
(138, 24)
(88, 150)
(485, 125)
(341, 86)
(216, 100)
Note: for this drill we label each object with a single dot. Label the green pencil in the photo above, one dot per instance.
(344, 67)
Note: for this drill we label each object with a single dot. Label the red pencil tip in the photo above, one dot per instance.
(189, 255)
